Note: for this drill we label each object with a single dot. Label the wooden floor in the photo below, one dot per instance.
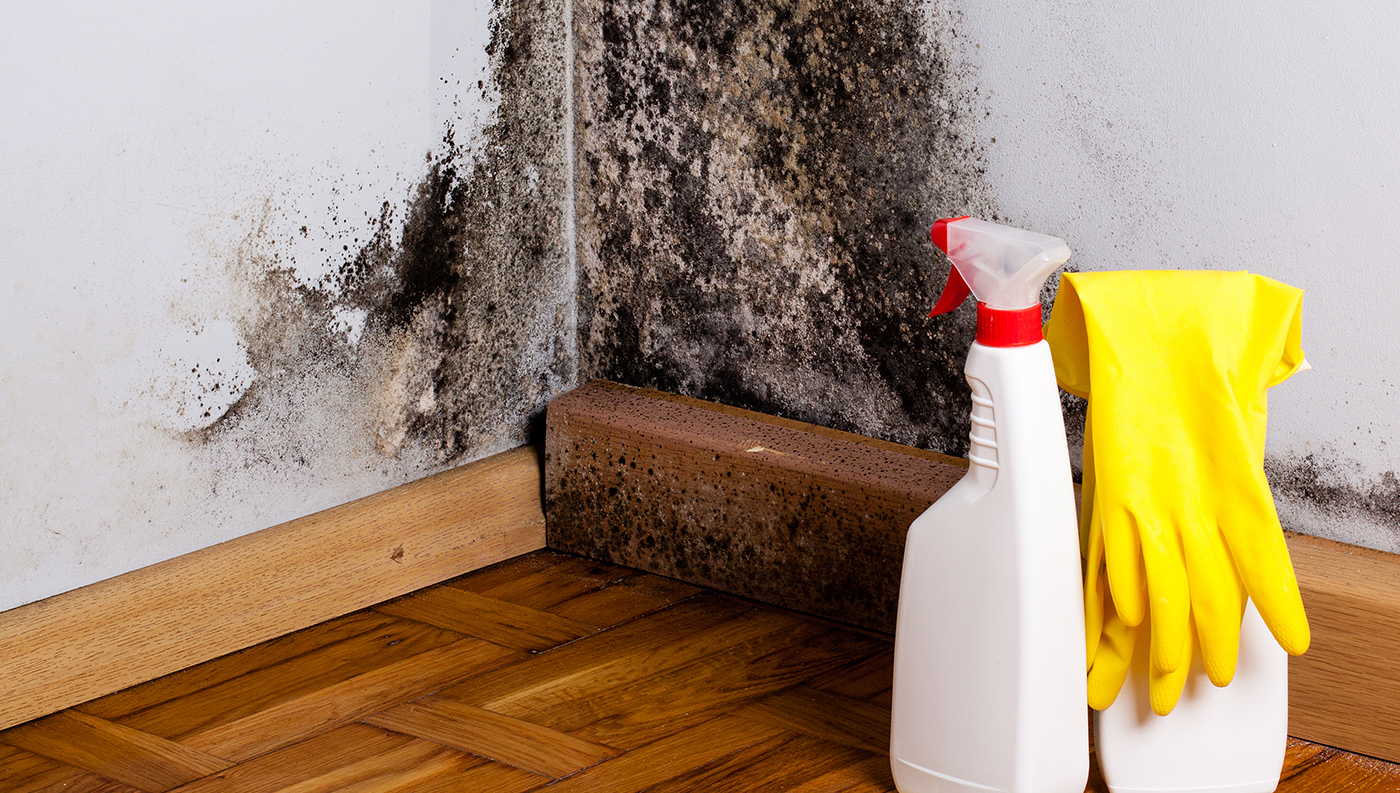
(546, 671)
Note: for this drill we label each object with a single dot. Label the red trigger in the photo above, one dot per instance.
(956, 290)
(954, 293)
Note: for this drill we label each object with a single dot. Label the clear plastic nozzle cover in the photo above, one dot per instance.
(1004, 266)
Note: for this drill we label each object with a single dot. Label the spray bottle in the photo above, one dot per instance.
(989, 642)
(1216, 740)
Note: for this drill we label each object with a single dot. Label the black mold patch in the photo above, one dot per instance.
(467, 328)
(757, 181)
(1367, 516)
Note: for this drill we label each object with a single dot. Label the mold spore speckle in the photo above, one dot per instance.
(147, 439)
(756, 183)
(195, 376)
(1315, 495)
(443, 326)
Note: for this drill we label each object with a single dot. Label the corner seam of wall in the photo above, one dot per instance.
(571, 276)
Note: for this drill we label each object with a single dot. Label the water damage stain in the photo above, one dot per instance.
(756, 183)
(449, 331)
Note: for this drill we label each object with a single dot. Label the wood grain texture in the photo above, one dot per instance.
(780, 511)
(26, 772)
(313, 758)
(201, 677)
(670, 757)
(838, 719)
(116, 633)
(132, 757)
(705, 693)
(624, 600)
(316, 711)
(639, 713)
(401, 769)
(492, 777)
(814, 519)
(682, 634)
(867, 680)
(502, 622)
(262, 689)
(1345, 690)
(868, 775)
(775, 764)
(1308, 767)
(501, 738)
(544, 589)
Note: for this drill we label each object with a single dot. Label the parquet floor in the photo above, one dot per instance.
(544, 672)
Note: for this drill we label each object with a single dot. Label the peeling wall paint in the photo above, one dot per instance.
(264, 260)
(757, 180)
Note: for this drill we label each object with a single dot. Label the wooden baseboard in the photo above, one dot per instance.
(814, 520)
(780, 511)
(1345, 690)
(92, 641)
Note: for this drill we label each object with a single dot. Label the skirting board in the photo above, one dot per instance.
(89, 642)
(814, 519)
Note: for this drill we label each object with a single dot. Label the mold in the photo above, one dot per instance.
(306, 316)
(756, 183)
(447, 328)
(1317, 495)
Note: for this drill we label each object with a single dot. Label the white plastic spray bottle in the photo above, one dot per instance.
(989, 690)
(1216, 740)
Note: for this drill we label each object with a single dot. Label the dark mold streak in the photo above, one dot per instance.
(465, 337)
(1313, 480)
(758, 182)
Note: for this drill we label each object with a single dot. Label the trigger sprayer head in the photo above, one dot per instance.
(1004, 268)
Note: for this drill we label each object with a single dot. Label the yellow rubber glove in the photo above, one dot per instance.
(1176, 509)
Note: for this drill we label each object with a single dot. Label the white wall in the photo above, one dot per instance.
(148, 152)
(1254, 135)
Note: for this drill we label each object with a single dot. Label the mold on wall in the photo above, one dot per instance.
(1234, 136)
(756, 181)
(451, 325)
(1316, 495)
(262, 260)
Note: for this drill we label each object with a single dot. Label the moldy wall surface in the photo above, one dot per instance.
(265, 259)
(756, 181)
(1227, 136)
(755, 185)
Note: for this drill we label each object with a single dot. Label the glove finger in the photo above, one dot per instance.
(1164, 688)
(1093, 624)
(1168, 592)
(1107, 517)
(1251, 530)
(1094, 594)
(1113, 660)
(1217, 600)
(1087, 486)
(1093, 617)
(1122, 551)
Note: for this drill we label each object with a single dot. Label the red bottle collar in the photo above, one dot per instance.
(1008, 327)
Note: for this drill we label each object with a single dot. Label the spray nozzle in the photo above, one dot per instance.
(1001, 266)
(1004, 268)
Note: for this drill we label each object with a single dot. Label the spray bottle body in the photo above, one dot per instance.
(989, 647)
(1216, 740)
